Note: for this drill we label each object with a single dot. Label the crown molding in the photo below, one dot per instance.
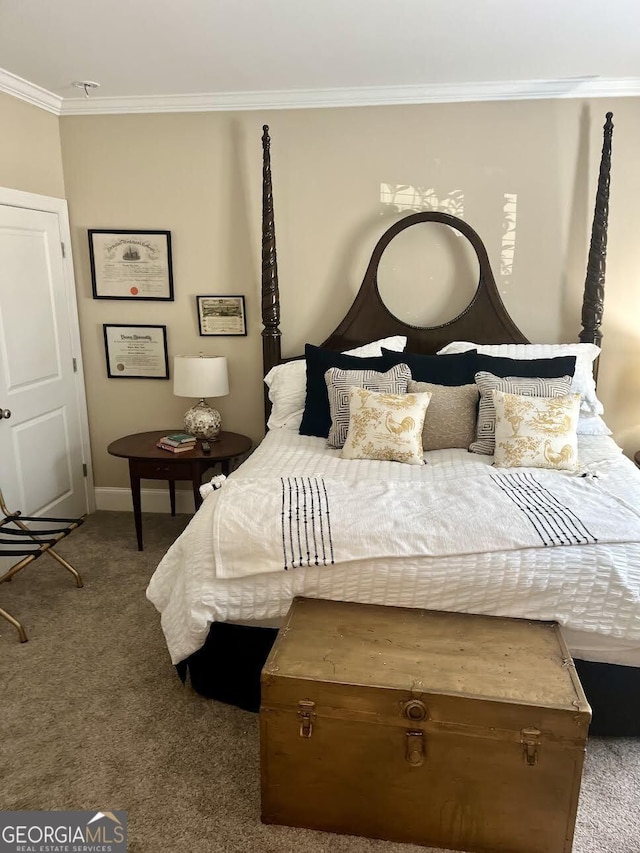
(291, 99)
(587, 87)
(11, 84)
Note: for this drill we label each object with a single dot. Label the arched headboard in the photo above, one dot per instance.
(484, 320)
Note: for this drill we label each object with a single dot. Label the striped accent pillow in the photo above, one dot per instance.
(339, 381)
(488, 383)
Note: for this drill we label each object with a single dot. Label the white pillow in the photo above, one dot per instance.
(287, 383)
(592, 425)
(583, 381)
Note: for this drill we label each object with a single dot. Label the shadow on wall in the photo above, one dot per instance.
(245, 264)
(620, 376)
(578, 235)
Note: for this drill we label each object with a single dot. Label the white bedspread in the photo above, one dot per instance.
(590, 588)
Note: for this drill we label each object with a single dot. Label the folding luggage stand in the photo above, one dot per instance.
(30, 544)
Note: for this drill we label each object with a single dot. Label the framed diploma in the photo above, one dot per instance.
(221, 315)
(131, 264)
(136, 352)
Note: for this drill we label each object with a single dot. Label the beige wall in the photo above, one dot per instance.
(30, 155)
(199, 175)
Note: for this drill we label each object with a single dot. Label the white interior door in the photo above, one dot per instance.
(41, 442)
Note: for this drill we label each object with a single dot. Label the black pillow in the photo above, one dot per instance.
(461, 368)
(456, 369)
(316, 419)
(544, 368)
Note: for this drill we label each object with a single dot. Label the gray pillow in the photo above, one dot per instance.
(487, 382)
(451, 417)
(339, 381)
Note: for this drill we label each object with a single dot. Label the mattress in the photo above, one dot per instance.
(592, 590)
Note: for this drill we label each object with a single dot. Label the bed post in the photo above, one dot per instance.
(593, 300)
(271, 354)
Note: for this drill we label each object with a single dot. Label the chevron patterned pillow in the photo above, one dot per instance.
(339, 382)
(488, 383)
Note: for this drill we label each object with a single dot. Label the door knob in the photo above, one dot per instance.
(5, 413)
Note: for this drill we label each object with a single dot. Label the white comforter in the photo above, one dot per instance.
(592, 588)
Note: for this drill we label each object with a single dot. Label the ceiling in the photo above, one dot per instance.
(238, 54)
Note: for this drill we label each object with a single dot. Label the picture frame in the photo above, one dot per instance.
(221, 315)
(131, 264)
(136, 351)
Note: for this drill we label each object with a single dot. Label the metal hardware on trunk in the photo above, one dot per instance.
(415, 748)
(306, 713)
(5, 413)
(414, 710)
(530, 742)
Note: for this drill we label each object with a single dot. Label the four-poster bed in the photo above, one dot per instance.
(228, 659)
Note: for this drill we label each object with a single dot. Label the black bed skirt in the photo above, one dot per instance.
(228, 666)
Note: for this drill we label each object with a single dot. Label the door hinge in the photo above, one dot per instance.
(306, 713)
(75, 365)
(85, 470)
(64, 251)
(530, 743)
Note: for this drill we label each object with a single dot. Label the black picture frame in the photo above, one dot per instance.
(138, 278)
(132, 350)
(224, 324)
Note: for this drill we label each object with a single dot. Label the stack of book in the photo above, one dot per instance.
(177, 442)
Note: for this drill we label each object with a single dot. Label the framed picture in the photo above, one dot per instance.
(136, 352)
(221, 315)
(131, 264)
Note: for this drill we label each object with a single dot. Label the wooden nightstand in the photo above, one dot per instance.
(146, 461)
(636, 458)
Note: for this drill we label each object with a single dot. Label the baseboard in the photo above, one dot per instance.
(153, 500)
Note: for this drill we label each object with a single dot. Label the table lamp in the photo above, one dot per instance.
(201, 376)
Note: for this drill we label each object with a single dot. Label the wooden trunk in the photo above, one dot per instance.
(443, 729)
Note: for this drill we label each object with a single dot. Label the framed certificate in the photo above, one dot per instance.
(221, 315)
(131, 264)
(136, 352)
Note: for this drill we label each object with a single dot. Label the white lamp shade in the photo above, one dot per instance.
(200, 376)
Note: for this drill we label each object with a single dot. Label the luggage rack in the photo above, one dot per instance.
(29, 543)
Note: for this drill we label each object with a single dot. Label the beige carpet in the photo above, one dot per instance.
(92, 716)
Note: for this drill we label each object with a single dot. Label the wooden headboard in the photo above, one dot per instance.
(485, 320)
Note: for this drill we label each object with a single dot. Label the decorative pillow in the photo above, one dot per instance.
(533, 368)
(536, 432)
(451, 416)
(385, 426)
(316, 419)
(583, 381)
(287, 383)
(339, 383)
(527, 386)
(456, 369)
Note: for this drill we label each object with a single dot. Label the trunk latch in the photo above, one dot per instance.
(306, 713)
(530, 742)
(415, 748)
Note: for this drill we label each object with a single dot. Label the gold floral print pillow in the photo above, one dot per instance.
(385, 426)
(536, 432)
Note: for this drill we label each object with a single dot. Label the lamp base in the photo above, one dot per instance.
(203, 422)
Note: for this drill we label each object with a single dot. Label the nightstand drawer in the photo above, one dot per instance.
(160, 470)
